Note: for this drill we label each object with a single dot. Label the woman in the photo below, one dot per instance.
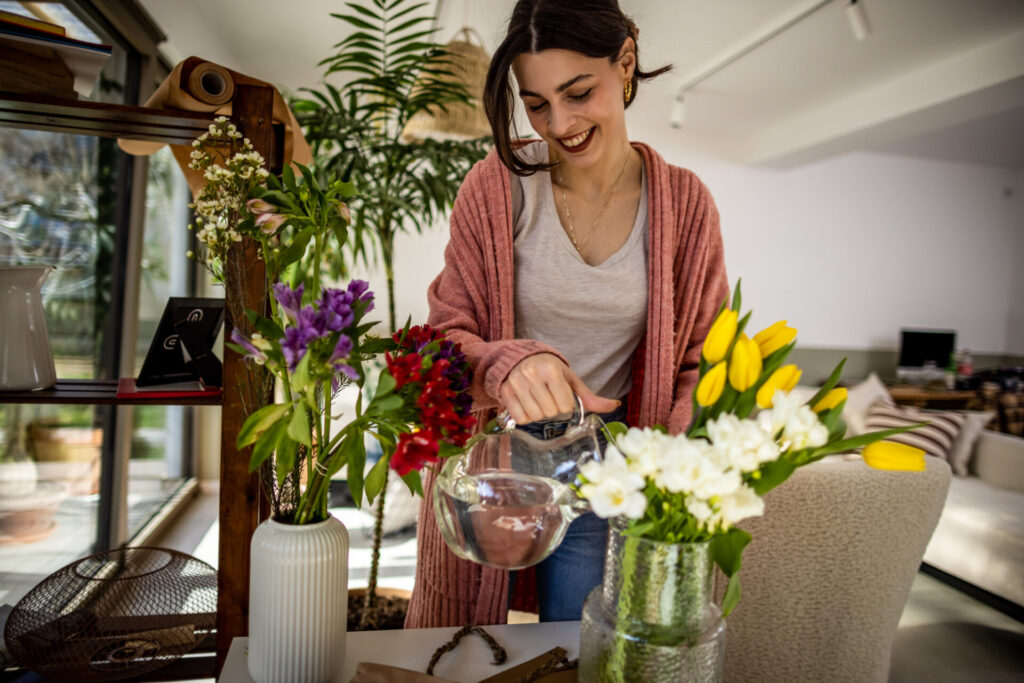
(580, 263)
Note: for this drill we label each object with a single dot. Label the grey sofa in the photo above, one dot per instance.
(980, 536)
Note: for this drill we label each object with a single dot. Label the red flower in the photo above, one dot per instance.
(413, 452)
(404, 369)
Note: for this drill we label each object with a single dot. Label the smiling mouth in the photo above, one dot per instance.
(577, 143)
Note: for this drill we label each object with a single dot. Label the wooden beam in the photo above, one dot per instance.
(245, 390)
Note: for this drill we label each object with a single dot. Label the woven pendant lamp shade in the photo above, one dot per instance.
(468, 63)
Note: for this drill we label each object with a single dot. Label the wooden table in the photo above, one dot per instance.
(906, 394)
(412, 649)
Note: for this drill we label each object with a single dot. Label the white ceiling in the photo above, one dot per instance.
(936, 78)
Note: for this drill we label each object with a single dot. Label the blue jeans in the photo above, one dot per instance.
(568, 575)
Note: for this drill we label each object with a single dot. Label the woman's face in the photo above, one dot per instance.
(575, 102)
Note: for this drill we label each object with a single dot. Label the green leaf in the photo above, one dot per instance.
(386, 404)
(385, 385)
(727, 550)
(356, 464)
(298, 427)
(300, 377)
(285, 456)
(259, 422)
(862, 440)
(613, 430)
(265, 446)
(377, 478)
(829, 384)
(732, 595)
(772, 474)
(415, 484)
(736, 298)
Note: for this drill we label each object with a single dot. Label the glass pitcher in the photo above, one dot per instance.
(507, 501)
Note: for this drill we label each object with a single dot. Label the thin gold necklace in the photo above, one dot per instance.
(600, 214)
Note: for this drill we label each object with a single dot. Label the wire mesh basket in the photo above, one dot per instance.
(114, 615)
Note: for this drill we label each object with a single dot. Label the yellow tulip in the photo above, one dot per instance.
(774, 337)
(745, 364)
(721, 334)
(783, 379)
(711, 385)
(890, 455)
(831, 400)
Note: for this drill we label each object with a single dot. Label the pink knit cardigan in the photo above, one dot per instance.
(472, 299)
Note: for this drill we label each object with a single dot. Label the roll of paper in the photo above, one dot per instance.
(196, 84)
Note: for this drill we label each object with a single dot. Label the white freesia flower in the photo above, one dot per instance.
(743, 444)
(783, 407)
(612, 489)
(804, 430)
(739, 505)
(642, 448)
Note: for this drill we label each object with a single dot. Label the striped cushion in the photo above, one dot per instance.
(936, 438)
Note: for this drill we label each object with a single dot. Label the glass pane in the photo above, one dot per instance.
(158, 465)
(58, 206)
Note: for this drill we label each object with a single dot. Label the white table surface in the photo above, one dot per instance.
(412, 649)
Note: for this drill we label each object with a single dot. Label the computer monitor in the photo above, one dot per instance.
(919, 348)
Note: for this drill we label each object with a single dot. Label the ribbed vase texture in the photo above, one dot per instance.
(298, 601)
(653, 618)
(26, 361)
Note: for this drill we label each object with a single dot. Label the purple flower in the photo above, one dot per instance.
(296, 341)
(359, 290)
(243, 341)
(289, 299)
(336, 309)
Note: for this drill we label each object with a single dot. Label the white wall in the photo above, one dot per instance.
(852, 249)
(848, 250)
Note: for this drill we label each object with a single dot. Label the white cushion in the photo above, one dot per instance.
(859, 399)
(974, 422)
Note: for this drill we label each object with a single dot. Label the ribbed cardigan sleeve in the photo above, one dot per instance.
(701, 284)
(473, 296)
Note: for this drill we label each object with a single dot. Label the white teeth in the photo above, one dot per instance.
(576, 141)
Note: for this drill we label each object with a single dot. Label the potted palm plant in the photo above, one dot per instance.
(395, 71)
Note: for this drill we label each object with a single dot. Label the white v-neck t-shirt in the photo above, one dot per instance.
(594, 315)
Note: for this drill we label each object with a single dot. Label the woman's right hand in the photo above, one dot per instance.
(541, 386)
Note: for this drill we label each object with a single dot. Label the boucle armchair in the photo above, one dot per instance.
(829, 570)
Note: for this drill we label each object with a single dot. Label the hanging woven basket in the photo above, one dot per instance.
(468, 62)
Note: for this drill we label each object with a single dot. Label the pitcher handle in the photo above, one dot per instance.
(504, 422)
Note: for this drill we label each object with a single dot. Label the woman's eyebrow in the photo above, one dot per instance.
(567, 84)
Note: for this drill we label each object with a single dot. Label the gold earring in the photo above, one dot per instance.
(628, 90)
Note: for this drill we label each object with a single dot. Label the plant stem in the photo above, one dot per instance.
(378, 536)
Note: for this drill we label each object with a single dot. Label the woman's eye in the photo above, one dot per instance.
(582, 96)
(537, 107)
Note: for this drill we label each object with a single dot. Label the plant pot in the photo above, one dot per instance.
(653, 618)
(26, 361)
(392, 603)
(68, 455)
(298, 584)
(29, 517)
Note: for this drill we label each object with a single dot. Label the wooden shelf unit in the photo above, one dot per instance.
(38, 112)
(242, 506)
(97, 392)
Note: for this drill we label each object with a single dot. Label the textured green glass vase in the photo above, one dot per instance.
(653, 618)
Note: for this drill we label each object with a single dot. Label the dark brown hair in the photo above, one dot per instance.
(595, 28)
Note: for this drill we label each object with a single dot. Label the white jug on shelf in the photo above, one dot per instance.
(26, 361)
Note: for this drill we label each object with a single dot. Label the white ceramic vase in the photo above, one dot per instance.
(26, 361)
(298, 601)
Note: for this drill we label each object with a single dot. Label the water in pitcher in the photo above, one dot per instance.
(506, 519)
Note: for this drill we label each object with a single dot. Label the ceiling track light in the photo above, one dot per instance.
(678, 116)
(858, 17)
(856, 14)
